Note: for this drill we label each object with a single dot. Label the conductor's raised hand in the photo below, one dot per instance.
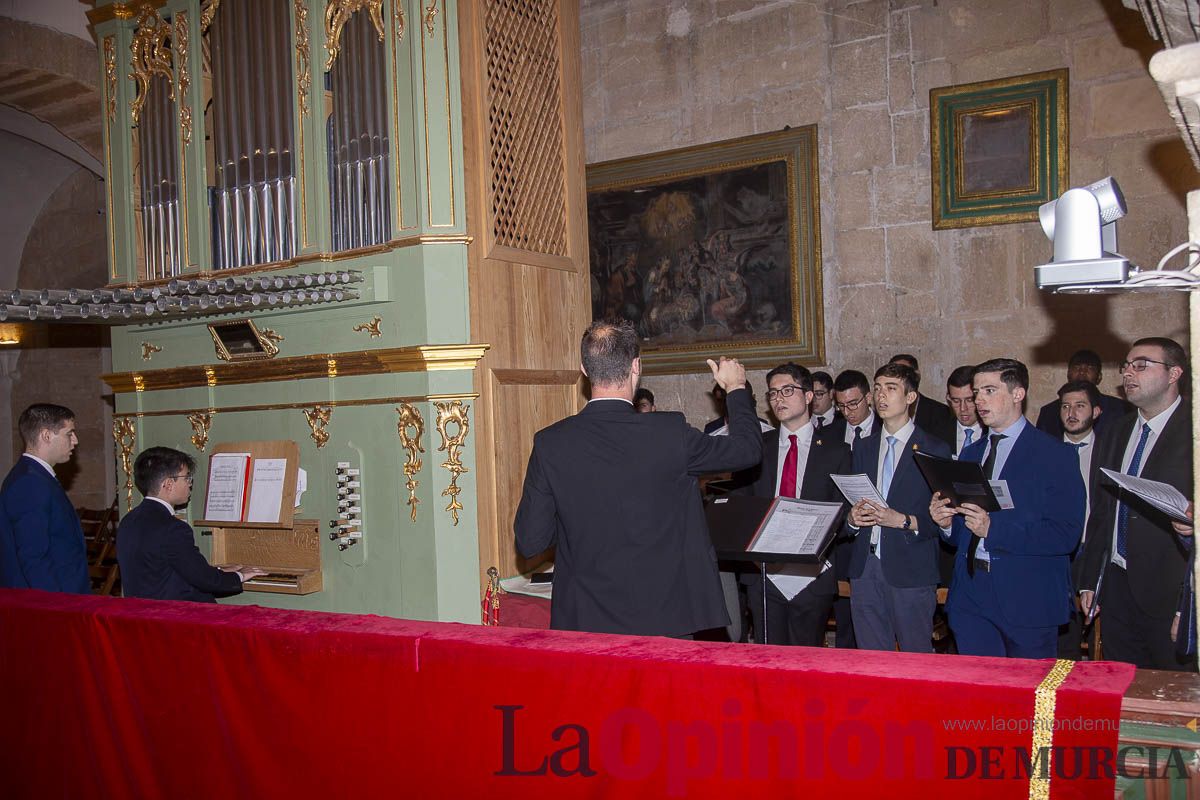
(729, 373)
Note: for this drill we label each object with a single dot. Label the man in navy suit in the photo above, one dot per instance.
(41, 540)
(157, 553)
(1012, 583)
(894, 561)
(615, 493)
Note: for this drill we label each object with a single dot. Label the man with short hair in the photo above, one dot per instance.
(852, 399)
(41, 540)
(1012, 585)
(615, 492)
(1079, 409)
(961, 397)
(1084, 365)
(156, 550)
(797, 461)
(1143, 563)
(822, 410)
(894, 561)
(643, 400)
(929, 415)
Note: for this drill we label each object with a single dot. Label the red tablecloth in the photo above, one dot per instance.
(105, 697)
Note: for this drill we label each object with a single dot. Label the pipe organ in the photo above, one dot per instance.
(327, 224)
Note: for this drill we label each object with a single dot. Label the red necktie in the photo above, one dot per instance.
(787, 483)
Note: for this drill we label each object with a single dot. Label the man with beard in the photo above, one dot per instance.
(1079, 409)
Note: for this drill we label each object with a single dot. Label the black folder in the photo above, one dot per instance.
(961, 481)
(734, 520)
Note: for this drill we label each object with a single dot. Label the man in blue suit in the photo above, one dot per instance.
(1012, 583)
(157, 552)
(41, 540)
(894, 561)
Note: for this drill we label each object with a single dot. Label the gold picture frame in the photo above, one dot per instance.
(998, 149)
(712, 250)
(241, 340)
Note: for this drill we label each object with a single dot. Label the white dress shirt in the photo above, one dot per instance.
(785, 576)
(865, 426)
(960, 435)
(826, 418)
(1085, 452)
(902, 436)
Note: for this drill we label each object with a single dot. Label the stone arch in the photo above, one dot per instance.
(53, 77)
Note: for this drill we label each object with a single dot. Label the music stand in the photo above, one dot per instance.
(732, 523)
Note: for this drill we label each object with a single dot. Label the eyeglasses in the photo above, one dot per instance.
(784, 391)
(851, 405)
(187, 478)
(820, 392)
(1140, 364)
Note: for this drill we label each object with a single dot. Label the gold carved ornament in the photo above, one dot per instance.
(338, 13)
(110, 76)
(410, 417)
(303, 78)
(430, 12)
(125, 438)
(373, 327)
(455, 413)
(208, 10)
(399, 6)
(201, 421)
(270, 340)
(185, 78)
(318, 417)
(490, 605)
(151, 56)
(149, 349)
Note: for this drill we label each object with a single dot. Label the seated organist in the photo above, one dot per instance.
(156, 552)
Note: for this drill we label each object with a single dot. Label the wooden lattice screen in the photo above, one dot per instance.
(525, 126)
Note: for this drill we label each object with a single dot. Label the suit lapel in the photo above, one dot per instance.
(1015, 455)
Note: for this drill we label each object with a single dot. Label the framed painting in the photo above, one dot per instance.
(712, 250)
(999, 149)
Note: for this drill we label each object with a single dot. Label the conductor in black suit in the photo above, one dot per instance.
(156, 552)
(615, 492)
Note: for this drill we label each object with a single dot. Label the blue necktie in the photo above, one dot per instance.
(885, 483)
(968, 435)
(1123, 510)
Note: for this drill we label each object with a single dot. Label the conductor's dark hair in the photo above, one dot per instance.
(1089, 388)
(155, 465)
(1012, 372)
(608, 350)
(643, 394)
(823, 378)
(960, 377)
(852, 379)
(42, 416)
(906, 374)
(800, 375)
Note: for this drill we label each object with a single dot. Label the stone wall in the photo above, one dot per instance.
(659, 75)
(63, 363)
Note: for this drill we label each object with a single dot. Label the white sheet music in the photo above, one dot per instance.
(856, 487)
(266, 489)
(226, 487)
(795, 526)
(1163, 496)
